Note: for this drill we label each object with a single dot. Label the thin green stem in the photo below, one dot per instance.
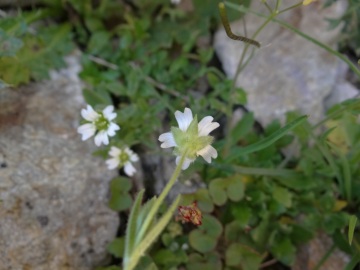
(325, 257)
(158, 202)
(256, 171)
(291, 7)
(278, 4)
(338, 112)
(267, 6)
(288, 26)
(239, 68)
(330, 159)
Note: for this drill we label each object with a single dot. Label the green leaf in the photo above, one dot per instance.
(203, 199)
(144, 211)
(9, 45)
(217, 191)
(284, 250)
(98, 42)
(120, 198)
(244, 256)
(151, 236)
(204, 239)
(94, 98)
(241, 213)
(239, 97)
(235, 188)
(209, 261)
(352, 224)
(116, 247)
(238, 152)
(146, 263)
(169, 258)
(243, 127)
(131, 231)
(283, 196)
(37, 56)
(202, 242)
(261, 233)
(300, 235)
(298, 183)
(223, 188)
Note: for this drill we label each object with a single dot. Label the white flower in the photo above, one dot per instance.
(122, 158)
(191, 138)
(99, 123)
(175, 2)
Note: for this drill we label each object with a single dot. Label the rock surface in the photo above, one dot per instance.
(311, 253)
(287, 72)
(53, 211)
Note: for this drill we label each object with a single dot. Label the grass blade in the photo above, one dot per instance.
(352, 224)
(237, 152)
(152, 235)
(131, 228)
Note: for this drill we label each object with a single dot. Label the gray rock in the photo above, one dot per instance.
(288, 72)
(310, 254)
(343, 91)
(53, 192)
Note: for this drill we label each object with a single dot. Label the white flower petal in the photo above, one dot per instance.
(205, 126)
(114, 151)
(112, 128)
(167, 139)
(101, 137)
(207, 153)
(132, 156)
(112, 163)
(89, 114)
(86, 131)
(184, 119)
(186, 163)
(108, 113)
(129, 169)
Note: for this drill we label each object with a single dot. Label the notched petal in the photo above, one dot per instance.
(184, 119)
(207, 153)
(112, 163)
(129, 169)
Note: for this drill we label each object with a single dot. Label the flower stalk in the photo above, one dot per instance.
(160, 199)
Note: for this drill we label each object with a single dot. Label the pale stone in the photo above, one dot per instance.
(53, 192)
(288, 72)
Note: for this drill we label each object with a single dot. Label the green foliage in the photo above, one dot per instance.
(116, 247)
(350, 24)
(147, 57)
(223, 188)
(120, 198)
(243, 256)
(204, 239)
(29, 56)
(352, 224)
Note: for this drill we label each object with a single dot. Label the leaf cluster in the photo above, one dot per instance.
(252, 215)
(350, 25)
(29, 52)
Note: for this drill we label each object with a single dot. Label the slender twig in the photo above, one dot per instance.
(233, 85)
(159, 85)
(291, 7)
(268, 263)
(103, 62)
(267, 6)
